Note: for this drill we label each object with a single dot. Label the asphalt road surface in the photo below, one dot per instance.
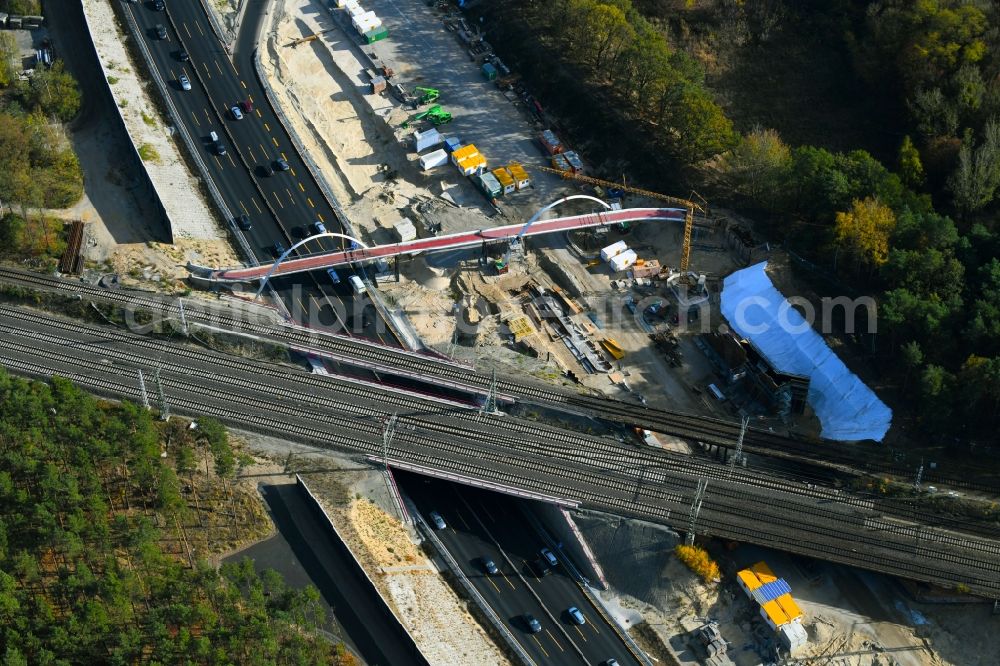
(483, 524)
(282, 206)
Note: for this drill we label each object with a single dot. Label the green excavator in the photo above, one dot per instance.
(429, 95)
(436, 115)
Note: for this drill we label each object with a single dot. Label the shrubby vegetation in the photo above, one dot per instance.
(699, 561)
(87, 509)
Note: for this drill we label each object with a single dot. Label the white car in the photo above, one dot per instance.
(549, 557)
(237, 114)
(437, 520)
(184, 81)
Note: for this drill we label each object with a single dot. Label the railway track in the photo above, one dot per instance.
(604, 479)
(840, 457)
(524, 436)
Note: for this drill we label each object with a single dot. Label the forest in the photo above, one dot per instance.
(98, 561)
(891, 187)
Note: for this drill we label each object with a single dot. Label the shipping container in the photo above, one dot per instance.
(505, 179)
(341, 3)
(472, 165)
(614, 249)
(377, 34)
(559, 162)
(353, 8)
(459, 154)
(424, 140)
(623, 260)
(405, 231)
(488, 185)
(433, 159)
(363, 17)
(452, 143)
(575, 163)
(489, 71)
(520, 176)
(550, 142)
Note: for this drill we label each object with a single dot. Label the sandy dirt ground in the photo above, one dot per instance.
(358, 501)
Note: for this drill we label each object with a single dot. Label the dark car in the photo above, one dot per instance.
(532, 624)
(160, 31)
(247, 106)
(183, 56)
(244, 222)
(278, 249)
(489, 566)
(281, 165)
(541, 568)
(159, 5)
(264, 170)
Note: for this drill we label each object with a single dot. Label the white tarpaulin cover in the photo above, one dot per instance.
(846, 407)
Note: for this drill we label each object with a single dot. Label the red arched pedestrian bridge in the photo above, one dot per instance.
(439, 243)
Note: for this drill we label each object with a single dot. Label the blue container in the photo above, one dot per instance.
(489, 71)
(451, 144)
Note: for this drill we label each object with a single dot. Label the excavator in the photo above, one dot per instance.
(429, 95)
(436, 115)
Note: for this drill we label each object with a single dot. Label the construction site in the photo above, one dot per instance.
(421, 130)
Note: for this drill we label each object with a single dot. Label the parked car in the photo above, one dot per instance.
(243, 221)
(549, 557)
(437, 520)
(184, 81)
(236, 113)
(489, 566)
(160, 31)
(575, 615)
(533, 625)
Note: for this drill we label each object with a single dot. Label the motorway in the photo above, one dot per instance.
(487, 524)
(594, 472)
(280, 206)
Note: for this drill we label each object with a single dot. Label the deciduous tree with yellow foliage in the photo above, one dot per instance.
(864, 231)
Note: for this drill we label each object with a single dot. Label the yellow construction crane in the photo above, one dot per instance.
(689, 206)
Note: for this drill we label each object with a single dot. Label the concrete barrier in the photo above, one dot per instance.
(388, 615)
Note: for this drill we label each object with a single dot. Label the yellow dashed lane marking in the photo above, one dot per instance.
(301, 188)
(275, 141)
(311, 204)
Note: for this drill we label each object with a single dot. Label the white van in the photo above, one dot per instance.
(357, 284)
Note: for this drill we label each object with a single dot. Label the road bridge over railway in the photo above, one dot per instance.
(440, 243)
(517, 454)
